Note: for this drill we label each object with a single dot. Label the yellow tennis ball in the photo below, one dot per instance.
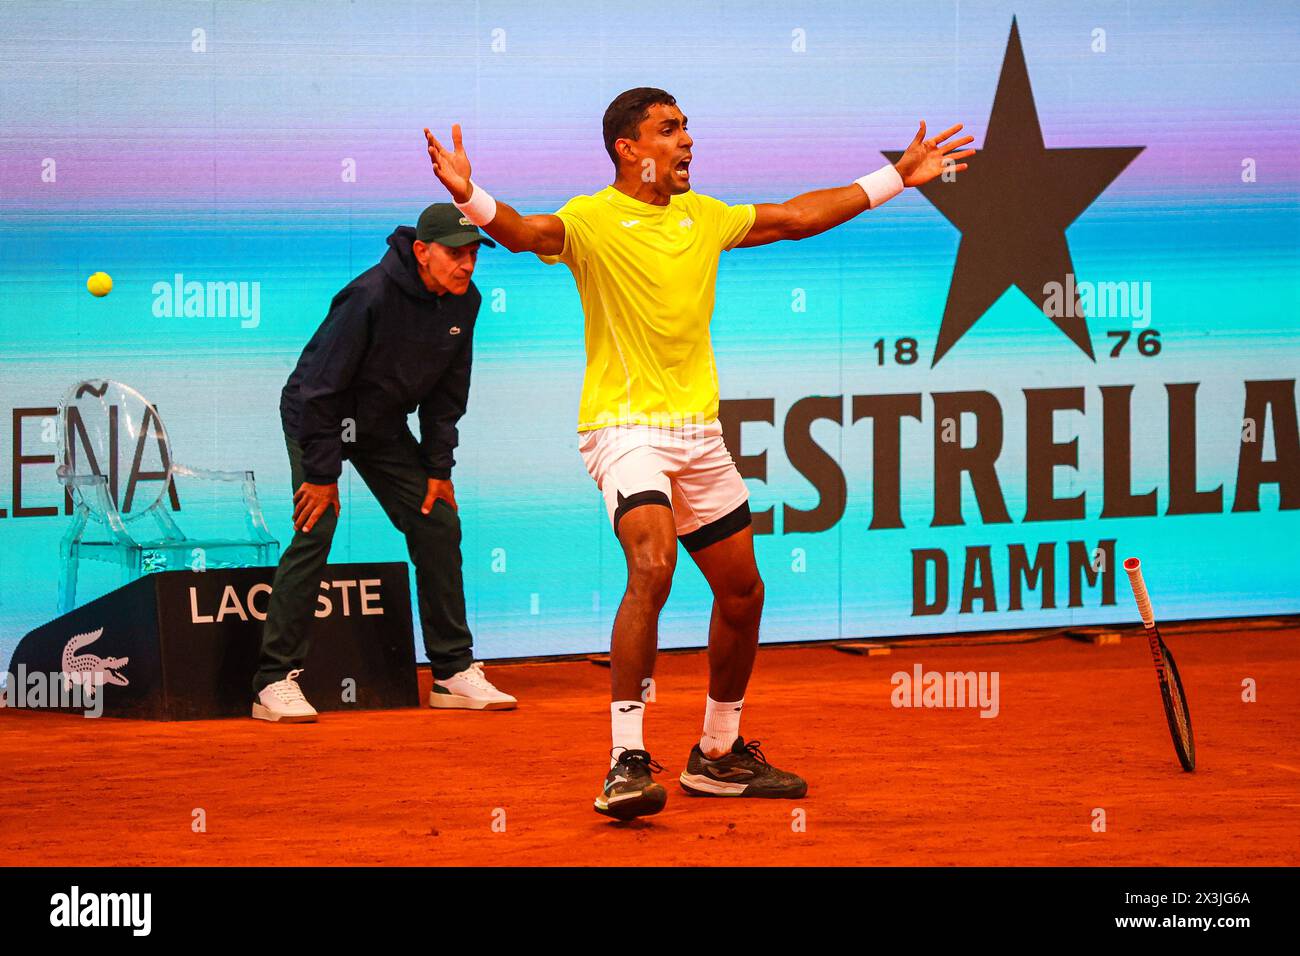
(100, 284)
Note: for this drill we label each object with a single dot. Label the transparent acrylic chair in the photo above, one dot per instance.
(105, 431)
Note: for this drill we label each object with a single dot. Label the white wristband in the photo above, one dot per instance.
(881, 186)
(481, 208)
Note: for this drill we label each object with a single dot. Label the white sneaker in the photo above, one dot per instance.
(283, 701)
(469, 690)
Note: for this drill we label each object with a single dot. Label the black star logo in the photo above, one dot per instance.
(1013, 206)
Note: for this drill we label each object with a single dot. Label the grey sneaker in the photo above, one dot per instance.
(630, 790)
(744, 772)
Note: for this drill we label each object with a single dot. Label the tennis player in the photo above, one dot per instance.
(644, 252)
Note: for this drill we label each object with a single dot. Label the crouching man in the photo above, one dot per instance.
(397, 338)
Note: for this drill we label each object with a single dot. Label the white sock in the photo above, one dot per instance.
(721, 726)
(625, 718)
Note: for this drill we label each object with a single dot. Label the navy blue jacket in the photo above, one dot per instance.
(387, 347)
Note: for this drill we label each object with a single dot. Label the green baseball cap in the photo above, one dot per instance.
(446, 225)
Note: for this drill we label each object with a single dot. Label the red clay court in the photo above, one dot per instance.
(1080, 727)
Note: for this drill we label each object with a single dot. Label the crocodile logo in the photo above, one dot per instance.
(90, 670)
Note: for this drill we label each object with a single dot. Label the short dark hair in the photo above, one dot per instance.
(630, 108)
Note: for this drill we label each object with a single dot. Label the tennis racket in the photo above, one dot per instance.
(1171, 685)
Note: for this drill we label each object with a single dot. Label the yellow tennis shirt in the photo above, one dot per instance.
(646, 276)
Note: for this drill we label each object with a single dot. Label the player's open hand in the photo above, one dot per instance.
(311, 501)
(451, 168)
(926, 159)
(439, 488)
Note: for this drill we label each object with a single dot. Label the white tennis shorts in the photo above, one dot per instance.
(688, 469)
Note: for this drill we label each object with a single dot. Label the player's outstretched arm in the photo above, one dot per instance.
(815, 212)
(542, 234)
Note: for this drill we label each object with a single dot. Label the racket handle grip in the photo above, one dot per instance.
(1133, 567)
